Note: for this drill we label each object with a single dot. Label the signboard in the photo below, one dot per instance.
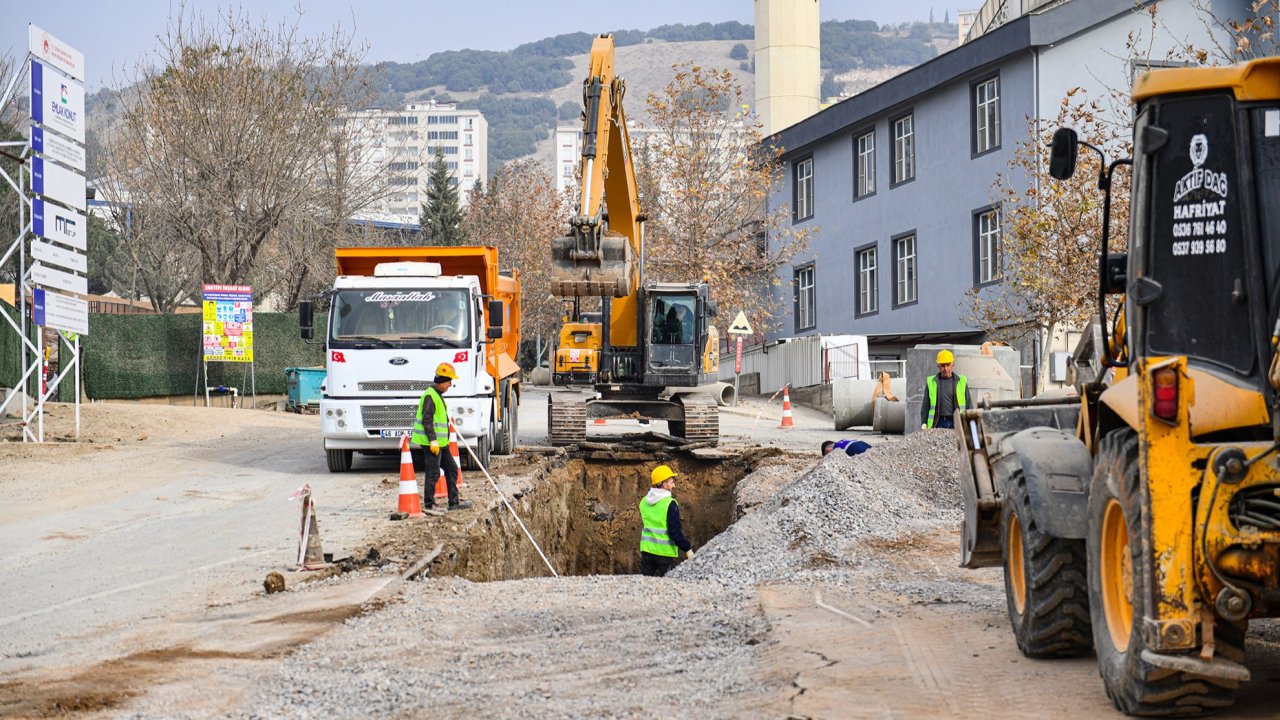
(55, 147)
(57, 101)
(44, 275)
(228, 323)
(60, 311)
(53, 51)
(737, 364)
(57, 183)
(54, 255)
(740, 326)
(59, 224)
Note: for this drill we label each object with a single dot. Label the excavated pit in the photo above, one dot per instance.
(585, 515)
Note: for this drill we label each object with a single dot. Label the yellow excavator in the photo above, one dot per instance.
(1141, 520)
(649, 340)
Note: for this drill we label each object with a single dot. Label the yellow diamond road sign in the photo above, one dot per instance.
(740, 325)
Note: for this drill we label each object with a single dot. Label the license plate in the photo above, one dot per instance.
(394, 433)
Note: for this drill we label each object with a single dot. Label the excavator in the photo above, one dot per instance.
(1139, 521)
(651, 343)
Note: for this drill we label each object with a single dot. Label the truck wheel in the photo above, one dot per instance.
(1045, 582)
(339, 460)
(505, 439)
(1118, 596)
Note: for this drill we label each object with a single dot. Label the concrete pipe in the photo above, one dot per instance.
(851, 400)
(890, 417)
(721, 391)
(540, 376)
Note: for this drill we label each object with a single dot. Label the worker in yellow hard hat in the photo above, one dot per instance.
(435, 434)
(661, 538)
(945, 393)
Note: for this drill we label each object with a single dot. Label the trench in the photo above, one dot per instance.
(585, 515)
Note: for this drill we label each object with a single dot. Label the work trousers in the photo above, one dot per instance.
(655, 565)
(433, 463)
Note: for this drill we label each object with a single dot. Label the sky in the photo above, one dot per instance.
(114, 36)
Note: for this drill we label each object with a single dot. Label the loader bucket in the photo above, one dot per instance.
(607, 271)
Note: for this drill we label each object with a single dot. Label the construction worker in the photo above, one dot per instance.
(434, 435)
(850, 447)
(945, 393)
(661, 538)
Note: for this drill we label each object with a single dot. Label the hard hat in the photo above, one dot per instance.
(945, 356)
(661, 474)
(446, 370)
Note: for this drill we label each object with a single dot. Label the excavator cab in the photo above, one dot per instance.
(678, 319)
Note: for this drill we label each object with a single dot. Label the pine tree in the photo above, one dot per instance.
(442, 219)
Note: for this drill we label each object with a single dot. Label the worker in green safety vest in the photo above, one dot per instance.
(433, 435)
(661, 538)
(945, 393)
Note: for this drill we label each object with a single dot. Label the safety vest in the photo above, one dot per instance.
(439, 419)
(654, 538)
(962, 386)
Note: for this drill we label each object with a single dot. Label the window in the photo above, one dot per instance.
(986, 115)
(864, 154)
(402, 120)
(442, 135)
(904, 269)
(868, 296)
(806, 300)
(802, 190)
(986, 235)
(904, 149)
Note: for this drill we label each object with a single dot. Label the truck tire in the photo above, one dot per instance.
(1118, 598)
(505, 439)
(1045, 581)
(339, 460)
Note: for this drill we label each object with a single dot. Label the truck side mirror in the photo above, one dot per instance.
(496, 312)
(306, 319)
(1062, 154)
(495, 332)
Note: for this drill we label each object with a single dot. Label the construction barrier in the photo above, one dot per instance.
(310, 550)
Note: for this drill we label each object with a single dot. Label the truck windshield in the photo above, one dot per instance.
(389, 315)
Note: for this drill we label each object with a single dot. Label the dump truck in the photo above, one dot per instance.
(395, 314)
(1141, 520)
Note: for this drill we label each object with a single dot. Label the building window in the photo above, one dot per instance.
(868, 295)
(986, 236)
(802, 190)
(904, 149)
(864, 154)
(986, 115)
(904, 270)
(806, 299)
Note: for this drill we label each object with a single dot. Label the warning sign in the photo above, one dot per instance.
(228, 323)
(740, 326)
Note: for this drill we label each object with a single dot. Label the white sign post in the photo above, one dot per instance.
(738, 327)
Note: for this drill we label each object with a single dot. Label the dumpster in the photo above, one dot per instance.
(304, 388)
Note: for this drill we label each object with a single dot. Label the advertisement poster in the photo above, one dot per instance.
(228, 323)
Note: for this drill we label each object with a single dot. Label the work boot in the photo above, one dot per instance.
(460, 505)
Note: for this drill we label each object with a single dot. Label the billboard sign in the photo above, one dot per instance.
(42, 274)
(54, 52)
(54, 255)
(228, 323)
(59, 224)
(55, 147)
(57, 101)
(57, 183)
(60, 312)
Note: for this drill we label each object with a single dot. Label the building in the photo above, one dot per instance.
(403, 143)
(898, 180)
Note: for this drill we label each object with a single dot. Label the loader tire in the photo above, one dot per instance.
(1119, 590)
(1045, 582)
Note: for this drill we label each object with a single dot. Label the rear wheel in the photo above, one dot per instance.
(1044, 580)
(1118, 595)
(339, 460)
(505, 439)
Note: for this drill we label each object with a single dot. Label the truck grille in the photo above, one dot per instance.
(417, 386)
(387, 416)
(1256, 507)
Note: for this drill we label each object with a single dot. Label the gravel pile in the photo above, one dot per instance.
(819, 523)
(539, 648)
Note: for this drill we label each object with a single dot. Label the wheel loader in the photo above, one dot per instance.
(1140, 520)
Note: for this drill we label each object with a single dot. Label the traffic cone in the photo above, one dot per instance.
(787, 422)
(453, 450)
(410, 503)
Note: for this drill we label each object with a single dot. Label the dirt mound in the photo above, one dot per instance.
(824, 518)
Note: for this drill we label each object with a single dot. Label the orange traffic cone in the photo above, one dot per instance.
(787, 422)
(453, 450)
(410, 504)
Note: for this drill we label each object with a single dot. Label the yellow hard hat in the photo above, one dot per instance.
(945, 356)
(661, 474)
(446, 370)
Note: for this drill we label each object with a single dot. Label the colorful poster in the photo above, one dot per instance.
(228, 323)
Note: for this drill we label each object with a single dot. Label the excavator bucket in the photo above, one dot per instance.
(604, 271)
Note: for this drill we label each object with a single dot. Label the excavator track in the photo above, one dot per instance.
(701, 417)
(566, 418)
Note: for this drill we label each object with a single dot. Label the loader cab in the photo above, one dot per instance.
(677, 326)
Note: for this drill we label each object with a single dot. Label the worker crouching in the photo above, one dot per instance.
(662, 538)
